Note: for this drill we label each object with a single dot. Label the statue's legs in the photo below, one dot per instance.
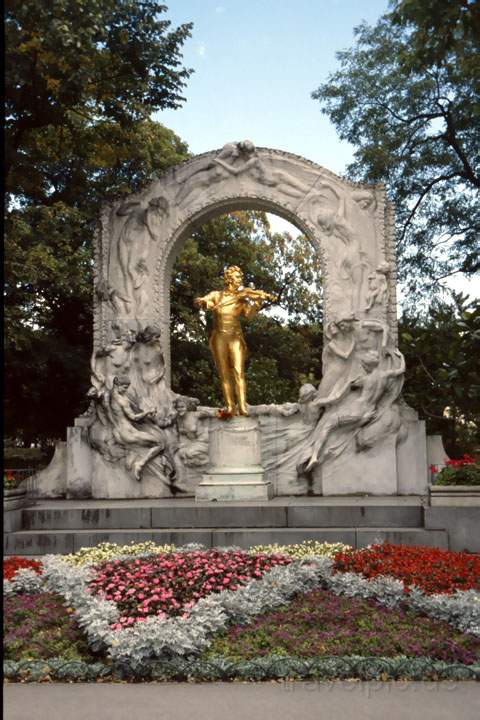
(219, 343)
(238, 356)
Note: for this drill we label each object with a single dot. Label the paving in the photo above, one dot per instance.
(314, 700)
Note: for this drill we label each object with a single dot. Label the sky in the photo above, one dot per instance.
(256, 65)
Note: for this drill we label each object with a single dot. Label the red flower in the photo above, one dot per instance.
(432, 569)
(14, 563)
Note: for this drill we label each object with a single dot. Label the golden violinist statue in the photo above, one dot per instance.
(227, 342)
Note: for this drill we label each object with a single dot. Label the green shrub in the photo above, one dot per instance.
(459, 475)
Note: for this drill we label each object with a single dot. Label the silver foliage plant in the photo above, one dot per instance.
(190, 634)
(25, 581)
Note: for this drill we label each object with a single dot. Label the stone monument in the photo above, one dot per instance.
(141, 439)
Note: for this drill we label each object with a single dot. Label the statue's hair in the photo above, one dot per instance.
(148, 332)
(307, 389)
(121, 380)
(230, 270)
(371, 356)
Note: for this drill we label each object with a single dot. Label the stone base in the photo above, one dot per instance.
(454, 496)
(371, 472)
(235, 472)
(228, 487)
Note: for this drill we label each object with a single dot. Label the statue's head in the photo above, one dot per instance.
(306, 393)
(246, 147)
(122, 383)
(160, 204)
(346, 323)
(233, 277)
(180, 405)
(150, 332)
(370, 360)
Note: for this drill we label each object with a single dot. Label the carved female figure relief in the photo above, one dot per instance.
(377, 287)
(338, 355)
(132, 250)
(348, 411)
(148, 372)
(134, 429)
(192, 448)
(118, 353)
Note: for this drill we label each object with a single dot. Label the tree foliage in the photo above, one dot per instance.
(73, 63)
(284, 343)
(407, 97)
(442, 379)
(82, 79)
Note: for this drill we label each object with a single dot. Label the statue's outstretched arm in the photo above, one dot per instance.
(207, 301)
(332, 399)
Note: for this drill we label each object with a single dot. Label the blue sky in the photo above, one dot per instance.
(256, 64)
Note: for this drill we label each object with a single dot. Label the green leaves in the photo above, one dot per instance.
(82, 79)
(284, 346)
(442, 378)
(406, 96)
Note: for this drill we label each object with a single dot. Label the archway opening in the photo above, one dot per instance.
(284, 340)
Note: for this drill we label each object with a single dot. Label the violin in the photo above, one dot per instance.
(252, 294)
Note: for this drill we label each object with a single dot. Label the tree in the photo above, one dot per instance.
(442, 380)
(82, 80)
(71, 64)
(407, 97)
(284, 345)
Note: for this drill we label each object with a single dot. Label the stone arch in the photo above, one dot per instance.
(349, 224)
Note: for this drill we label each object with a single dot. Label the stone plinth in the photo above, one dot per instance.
(235, 470)
(372, 472)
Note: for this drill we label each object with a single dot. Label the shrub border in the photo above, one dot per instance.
(227, 669)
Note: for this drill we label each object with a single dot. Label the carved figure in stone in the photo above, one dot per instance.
(148, 371)
(377, 287)
(118, 353)
(351, 411)
(338, 355)
(139, 431)
(232, 159)
(242, 158)
(304, 414)
(133, 249)
(307, 411)
(110, 295)
(192, 448)
(227, 342)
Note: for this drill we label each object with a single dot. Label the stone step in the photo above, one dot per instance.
(41, 542)
(213, 515)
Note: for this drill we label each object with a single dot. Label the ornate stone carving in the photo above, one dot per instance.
(131, 253)
(133, 416)
(363, 408)
(351, 227)
(377, 287)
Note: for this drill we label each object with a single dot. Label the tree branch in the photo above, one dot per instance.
(424, 192)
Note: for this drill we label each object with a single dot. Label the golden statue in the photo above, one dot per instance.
(227, 343)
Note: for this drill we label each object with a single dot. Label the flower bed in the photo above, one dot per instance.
(431, 569)
(169, 584)
(40, 627)
(15, 563)
(309, 627)
(174, 637)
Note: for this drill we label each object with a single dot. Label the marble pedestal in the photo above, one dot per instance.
(235, 470)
